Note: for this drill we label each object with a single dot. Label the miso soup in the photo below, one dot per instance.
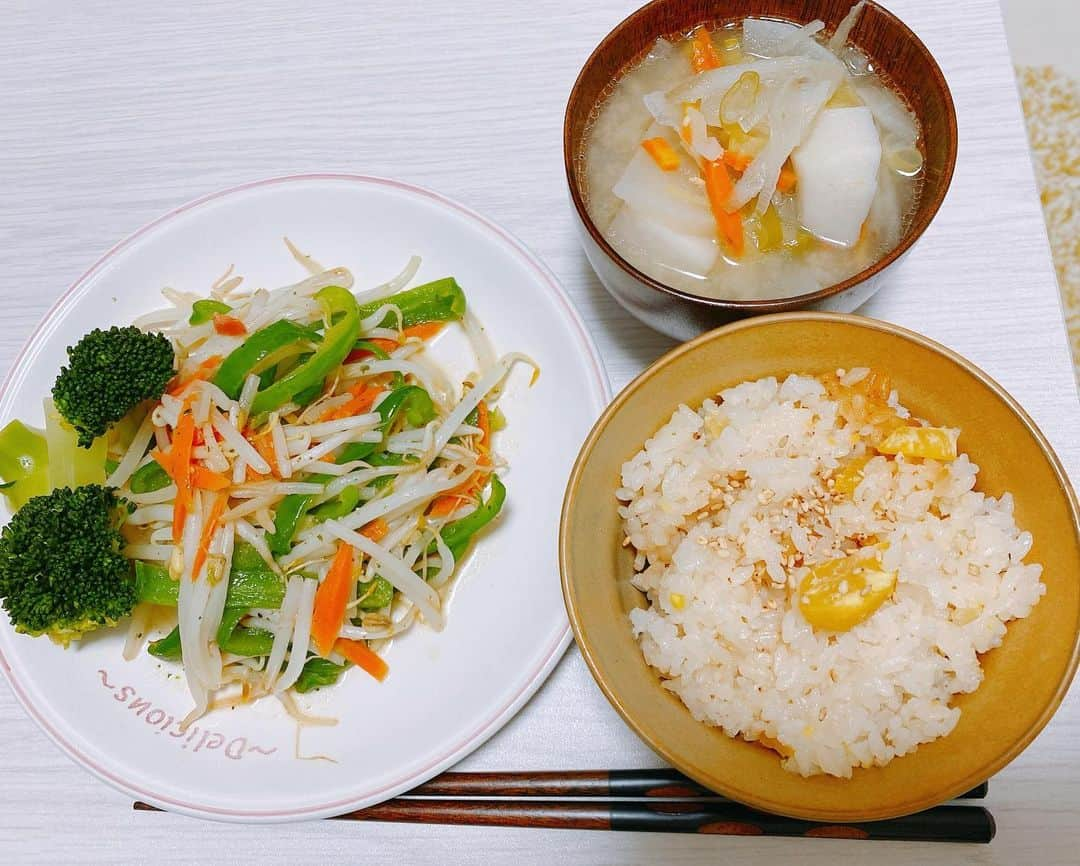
(755, 160)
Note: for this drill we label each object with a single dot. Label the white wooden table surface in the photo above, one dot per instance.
(113, 112)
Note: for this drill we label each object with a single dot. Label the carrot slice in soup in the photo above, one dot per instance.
(718, 187)
(702, 53)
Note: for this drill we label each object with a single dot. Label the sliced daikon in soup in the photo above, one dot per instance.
(791, 112)
(837, 166)
(766, 38)
(710, 87)
(690, 255)
(886, 217)
(672, 198)
(892, 115)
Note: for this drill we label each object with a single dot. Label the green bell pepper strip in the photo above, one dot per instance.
(153, 584)
(241, 360)
(318, 672)
(148, 478)
(387, 459)
(344, 503)
(418, 408)
(266, 377)
(308, 395)
(380, 354)
(205, 310)
(255, 589)
(240, 642)
(413, 400)
(366, 346)
(458, 534)
(287, 517)
(249, 586)
(168, 647)
(344, 315)
(249, 642)
(376, 594)
(439, 301)
(246, 558)
(24, 463)
(230, 619)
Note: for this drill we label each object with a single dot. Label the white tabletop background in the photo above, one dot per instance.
(114, 112)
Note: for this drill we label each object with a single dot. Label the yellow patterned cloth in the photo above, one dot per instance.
(1052, 108)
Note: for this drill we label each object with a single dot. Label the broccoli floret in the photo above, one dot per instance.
(109, 373)
(62, 572)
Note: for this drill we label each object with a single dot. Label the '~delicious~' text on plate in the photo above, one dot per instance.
(506, 626)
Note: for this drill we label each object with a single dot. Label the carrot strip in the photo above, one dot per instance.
(737, 161)
(453, 499)
(446, 504)
(663, 154)
(209, 527)
(422, 331)
(264, 444)
(379, 342)
(718, 187)
(229, 326)
(358, 653)
(183, 437)
(164, 461)
(206, 479)
(363, 399)
(483, 421)
(331, 600)
(376, 530)
(702, 54)
(201, 373)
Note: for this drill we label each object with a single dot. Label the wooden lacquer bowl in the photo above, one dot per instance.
(892, 48)
(1025, 678)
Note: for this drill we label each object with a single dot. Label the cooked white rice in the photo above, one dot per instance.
(732, 643)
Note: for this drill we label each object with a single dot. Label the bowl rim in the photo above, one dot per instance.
(589, 651)
(752, 306)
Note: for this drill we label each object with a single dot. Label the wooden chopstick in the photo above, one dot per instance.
(666, 801)
(940, 824)
(582, 783)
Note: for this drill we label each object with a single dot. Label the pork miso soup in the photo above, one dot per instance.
(756, 160)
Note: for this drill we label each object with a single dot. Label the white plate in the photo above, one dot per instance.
(447, 692)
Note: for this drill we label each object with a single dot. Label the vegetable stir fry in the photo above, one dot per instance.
(284, 474)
